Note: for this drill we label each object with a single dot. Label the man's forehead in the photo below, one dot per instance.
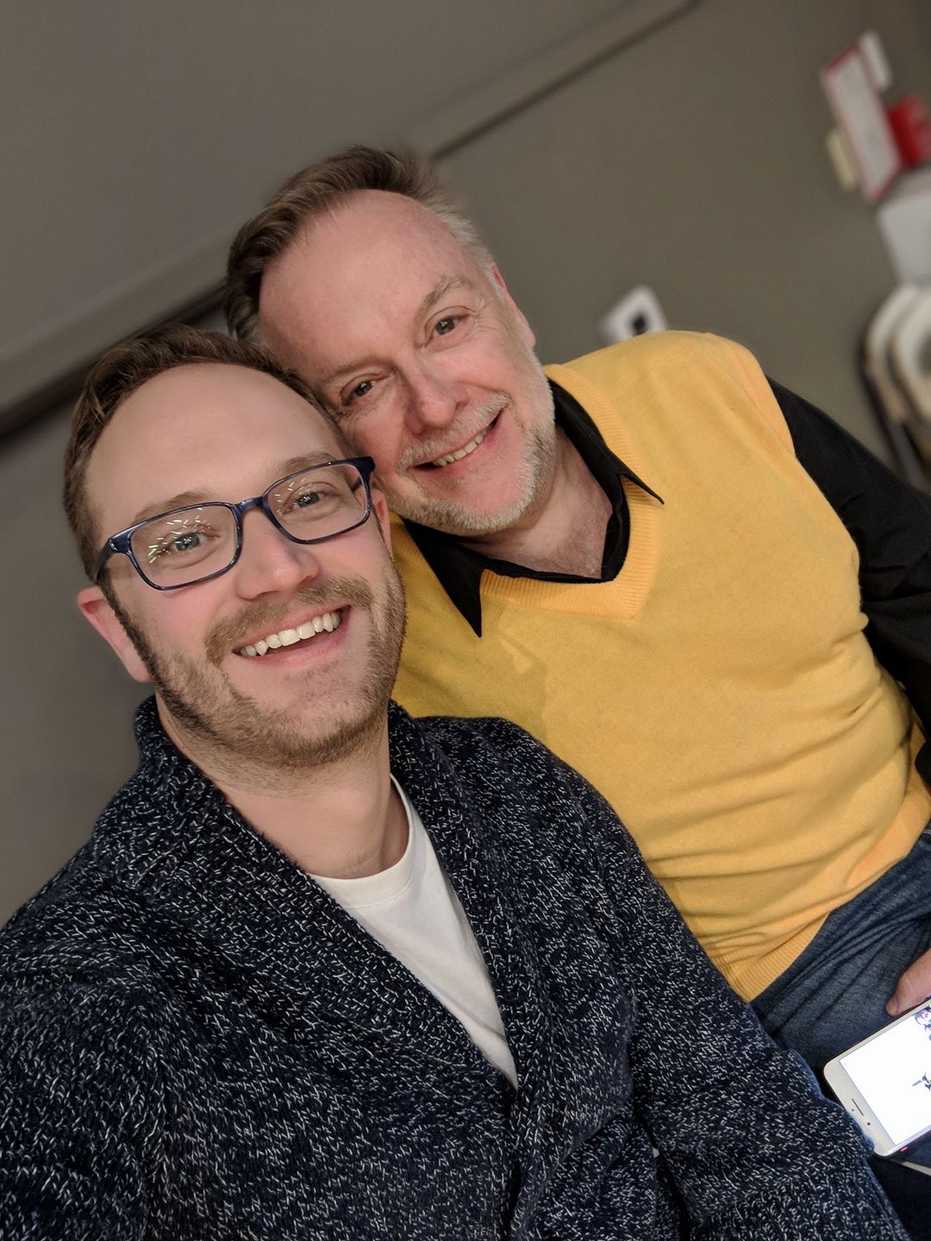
(380, 249)
(203, 400)
(207, 383)
(375, 217)
(204, 427)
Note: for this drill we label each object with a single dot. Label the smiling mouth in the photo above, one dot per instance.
(326, 622)
(465, 451)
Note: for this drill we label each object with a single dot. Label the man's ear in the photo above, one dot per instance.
(382, 515)
(98, 613)
(505, 294)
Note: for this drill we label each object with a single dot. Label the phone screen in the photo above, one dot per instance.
(893, 1073)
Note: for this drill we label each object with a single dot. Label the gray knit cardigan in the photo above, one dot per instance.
(197, 1042)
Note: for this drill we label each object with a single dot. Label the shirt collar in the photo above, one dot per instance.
(459, 568)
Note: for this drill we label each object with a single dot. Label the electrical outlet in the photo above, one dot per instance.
(635, 314)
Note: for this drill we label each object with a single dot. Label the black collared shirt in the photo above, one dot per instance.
(889, 520)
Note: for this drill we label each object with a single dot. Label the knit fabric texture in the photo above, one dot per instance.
(196, 1041)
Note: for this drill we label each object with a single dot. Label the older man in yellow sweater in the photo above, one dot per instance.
(683, 578)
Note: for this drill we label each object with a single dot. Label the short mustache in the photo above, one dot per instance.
(426, 450)
(266, 618)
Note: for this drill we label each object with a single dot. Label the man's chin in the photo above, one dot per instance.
(465, 521)
(342, 738)
(245, 741)
(487, 509)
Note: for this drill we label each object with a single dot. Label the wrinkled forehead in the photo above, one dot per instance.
(216, 430)
(370, 258)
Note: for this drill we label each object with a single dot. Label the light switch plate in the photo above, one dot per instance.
(636, 313)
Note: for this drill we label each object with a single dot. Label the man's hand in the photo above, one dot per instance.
(913, 987)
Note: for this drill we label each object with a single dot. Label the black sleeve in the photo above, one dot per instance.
(890, 522)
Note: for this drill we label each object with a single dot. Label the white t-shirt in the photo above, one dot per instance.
(413, 912)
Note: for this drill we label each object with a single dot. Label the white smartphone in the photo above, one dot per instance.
(885, 1081)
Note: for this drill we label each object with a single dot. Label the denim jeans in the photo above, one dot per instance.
(834, 995)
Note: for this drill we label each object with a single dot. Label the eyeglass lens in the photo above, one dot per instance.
(191, 543)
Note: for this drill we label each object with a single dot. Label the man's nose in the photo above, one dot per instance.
(270, 562)
(434, 397)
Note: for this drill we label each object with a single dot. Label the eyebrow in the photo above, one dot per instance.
(186, 499)
(446, 284)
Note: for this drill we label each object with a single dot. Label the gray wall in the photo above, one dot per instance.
(137, 136)
(67, 704)
(693, 160)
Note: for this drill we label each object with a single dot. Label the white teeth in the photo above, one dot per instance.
(289, 637)
(461, 452)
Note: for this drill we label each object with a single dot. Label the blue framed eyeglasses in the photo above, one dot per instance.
(200, 541)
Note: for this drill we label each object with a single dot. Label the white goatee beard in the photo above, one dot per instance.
(535, 476)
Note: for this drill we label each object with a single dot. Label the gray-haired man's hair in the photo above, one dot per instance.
(316, 190)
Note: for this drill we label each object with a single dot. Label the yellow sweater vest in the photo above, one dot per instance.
(719, 692)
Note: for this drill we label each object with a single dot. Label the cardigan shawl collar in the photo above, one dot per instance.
(240, 905)
(198, 1040)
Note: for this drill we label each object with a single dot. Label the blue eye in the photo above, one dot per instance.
(182, 543)
(185, 543)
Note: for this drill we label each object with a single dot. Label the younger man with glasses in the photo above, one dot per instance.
(325, 971)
